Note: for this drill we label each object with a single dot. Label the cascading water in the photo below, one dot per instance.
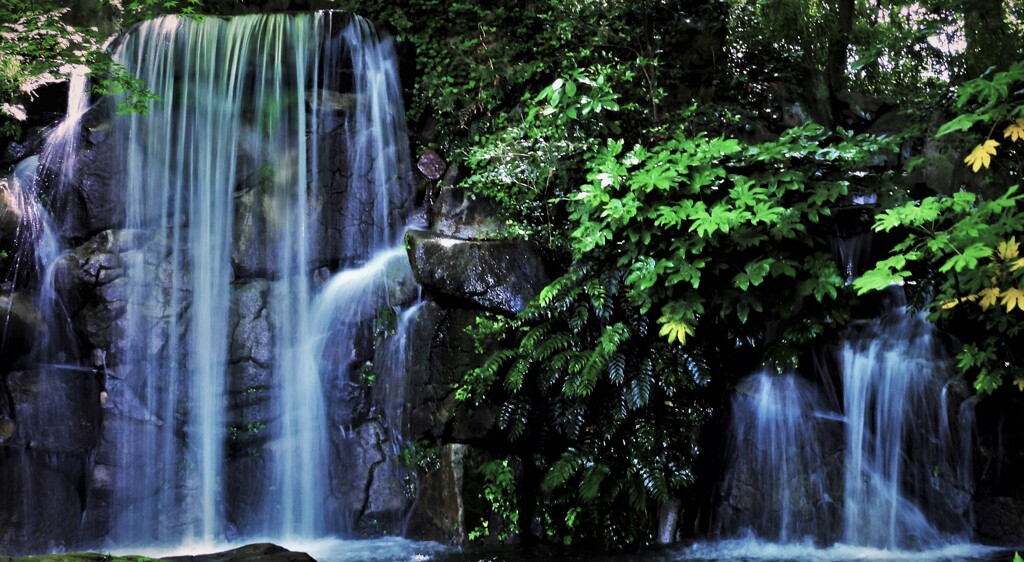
(903, 471)
(237, 191)
(784, 472)
(884, 470)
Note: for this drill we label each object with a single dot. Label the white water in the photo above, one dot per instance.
(750, 548)
(243, 106)
(772, 418)
(902, 486)
(38, 242)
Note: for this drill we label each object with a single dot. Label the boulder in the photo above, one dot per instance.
(260, 552)
(431, 165)
(496, 275)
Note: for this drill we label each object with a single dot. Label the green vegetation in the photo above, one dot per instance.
(686, 163)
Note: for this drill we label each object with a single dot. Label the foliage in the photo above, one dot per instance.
(38, 46)
(688, 253)
(499, 491)
(605, 409)
(961, 250)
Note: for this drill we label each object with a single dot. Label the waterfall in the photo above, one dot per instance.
(775, 420)
(276, 149)
(901, 464)
(887, 469)
(38, 242)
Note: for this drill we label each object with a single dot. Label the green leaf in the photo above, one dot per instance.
(962, 123)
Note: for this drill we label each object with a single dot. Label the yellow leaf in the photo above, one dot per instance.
(1015, 131)
(1017, 264)
(1008, 249)
(988, 297)
(950, 304)
(1013, 298)
(1020, 384)
(981, 155)
(675, 330)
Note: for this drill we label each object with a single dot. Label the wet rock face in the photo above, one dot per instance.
(496, 275)
(369, 481)
(22, 327)
(439, 512)
(52, 521)
(92, 205)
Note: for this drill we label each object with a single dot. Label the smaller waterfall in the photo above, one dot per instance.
(902, 468)
(886, 469)
(779, 460)
(390, 390)
(39, 185)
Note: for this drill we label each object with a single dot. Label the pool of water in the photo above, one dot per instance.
(403, 550)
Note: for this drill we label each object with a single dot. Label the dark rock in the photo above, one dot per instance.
(57, 408)
(861, 107)
(261, 552)
(890, 124)
(22, 328)
(999, 520)
(95, 203)
(431, 165)
(435, 411)
(439, 512)
(367, 481)
(31, 143)
(52, 522)
(454, 213)
(496, 275)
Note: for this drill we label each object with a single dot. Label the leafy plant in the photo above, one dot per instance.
(961, 250)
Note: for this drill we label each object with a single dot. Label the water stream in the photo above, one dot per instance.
(887, 470)
(235, 184)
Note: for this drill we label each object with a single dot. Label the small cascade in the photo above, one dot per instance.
(390, 390)
(47, 177)
(902, 468)
(779, 459)
(888, 469)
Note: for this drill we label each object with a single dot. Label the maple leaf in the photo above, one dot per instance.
(981, 155)
(1020, 385)
(1017, 264)
(1013, 298)
(1015, 131)
(988, 297)
(1009, 249)
(675, 329)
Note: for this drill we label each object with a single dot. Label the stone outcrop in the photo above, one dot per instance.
(495, 275)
